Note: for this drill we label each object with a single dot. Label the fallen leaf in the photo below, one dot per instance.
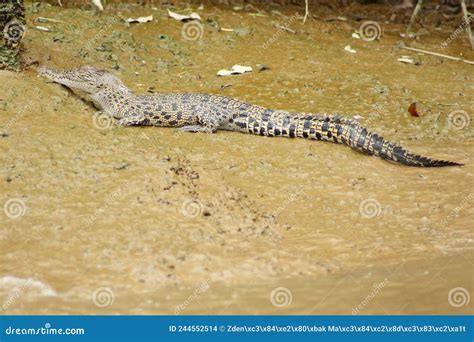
(235, 70)
(412, 110)
(349, 49)
(184, 18)
(406, 60)
(355, 35)
(42, 28)
(140, 19)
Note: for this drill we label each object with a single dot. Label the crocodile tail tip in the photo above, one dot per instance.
(440, 163)
(410, 159)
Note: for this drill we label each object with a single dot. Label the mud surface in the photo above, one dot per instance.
(152, 221)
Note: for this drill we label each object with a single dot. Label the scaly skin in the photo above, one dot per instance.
(208, 113)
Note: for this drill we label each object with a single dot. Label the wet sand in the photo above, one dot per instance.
(147, 220)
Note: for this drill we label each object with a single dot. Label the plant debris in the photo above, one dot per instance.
(227, 85)
(412, 110)
(48, 20)
(235, 70)
(42, 28)
(349, 49)
(406, 60)
(184, 18)
(140, 19)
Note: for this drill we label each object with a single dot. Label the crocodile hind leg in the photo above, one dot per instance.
(209, 122)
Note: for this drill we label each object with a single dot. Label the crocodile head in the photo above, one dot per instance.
(87, 79)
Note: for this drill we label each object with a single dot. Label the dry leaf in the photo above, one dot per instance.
(406, 60)
(235, 70)
(412, 110)
(349, 49)
(140, 19)
(355, 35)
(184, 18)
(42, 28)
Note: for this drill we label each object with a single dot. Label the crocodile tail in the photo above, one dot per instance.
(371, 143)
(350, 133)
(330, 128)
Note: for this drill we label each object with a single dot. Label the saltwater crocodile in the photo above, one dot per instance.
(194, 112)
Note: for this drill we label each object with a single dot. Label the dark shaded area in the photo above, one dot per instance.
(12, 23)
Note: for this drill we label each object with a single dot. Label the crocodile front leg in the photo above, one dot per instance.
(134, 120)
(196, 129)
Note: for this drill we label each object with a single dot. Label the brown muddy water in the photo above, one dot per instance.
(99, 219)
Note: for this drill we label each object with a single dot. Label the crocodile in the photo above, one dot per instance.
(198, 112)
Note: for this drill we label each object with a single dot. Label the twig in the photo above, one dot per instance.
(413, 17)
(467, 18)
(48, 20)
(306, 11)
(403, 46)
(329, 19)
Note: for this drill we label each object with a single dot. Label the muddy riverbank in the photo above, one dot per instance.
(152, 221)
